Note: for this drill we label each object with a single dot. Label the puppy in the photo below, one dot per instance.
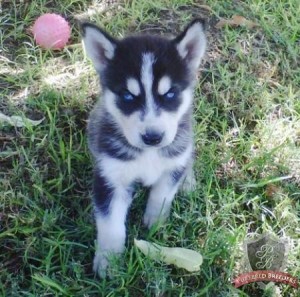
(141, 129)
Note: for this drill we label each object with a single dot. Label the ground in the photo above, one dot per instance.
(247, 136)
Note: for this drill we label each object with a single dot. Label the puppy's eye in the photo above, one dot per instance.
(171, 94)
(127, 96)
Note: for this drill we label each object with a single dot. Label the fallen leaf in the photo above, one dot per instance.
(180, 257)
(235, 21)
(18, 121)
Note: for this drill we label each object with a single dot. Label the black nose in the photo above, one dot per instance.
(152, 137)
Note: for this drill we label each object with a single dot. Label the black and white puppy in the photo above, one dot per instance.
(141, 129)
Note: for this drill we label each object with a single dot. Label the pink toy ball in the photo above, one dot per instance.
(51, 31)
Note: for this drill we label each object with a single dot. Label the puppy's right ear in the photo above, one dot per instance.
(99, 46)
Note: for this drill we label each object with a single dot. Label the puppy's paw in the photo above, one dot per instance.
(151, 218)
(100, 263)
(189, 184)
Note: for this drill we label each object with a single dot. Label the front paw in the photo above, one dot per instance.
(100, 263)
(151, 218)
(189, 184)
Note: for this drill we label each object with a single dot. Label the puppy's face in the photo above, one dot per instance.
(146, 81)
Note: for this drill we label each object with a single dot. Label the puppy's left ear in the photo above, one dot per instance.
(191, 43)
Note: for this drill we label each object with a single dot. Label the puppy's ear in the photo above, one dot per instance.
(99, 45)
(191, 44)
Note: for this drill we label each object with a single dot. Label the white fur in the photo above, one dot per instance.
(160, 201)
(124, 173)
(133, 86)
(111, 230)
(189, 182)
(147, 81)
(112, 226)
(164, 85)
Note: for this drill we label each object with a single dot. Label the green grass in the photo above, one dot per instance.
(247, 137)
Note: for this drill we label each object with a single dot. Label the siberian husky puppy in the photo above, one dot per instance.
(141, 129)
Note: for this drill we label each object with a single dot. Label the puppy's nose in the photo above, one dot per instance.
(152, 137)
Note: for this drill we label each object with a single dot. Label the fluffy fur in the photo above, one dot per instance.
(140, 131)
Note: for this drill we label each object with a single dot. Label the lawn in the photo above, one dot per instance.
(247, 138)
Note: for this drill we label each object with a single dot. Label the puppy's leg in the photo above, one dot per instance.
(189, 183)
(111, 205)
(161, 196)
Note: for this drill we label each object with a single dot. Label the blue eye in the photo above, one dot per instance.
(170, 95)
(127, 96)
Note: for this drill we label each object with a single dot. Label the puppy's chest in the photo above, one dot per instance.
(147, 168)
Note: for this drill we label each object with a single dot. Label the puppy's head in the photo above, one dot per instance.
(147, 81)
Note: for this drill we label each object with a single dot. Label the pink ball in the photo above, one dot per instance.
(51, 31)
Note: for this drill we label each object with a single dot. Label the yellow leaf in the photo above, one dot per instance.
(180, 257)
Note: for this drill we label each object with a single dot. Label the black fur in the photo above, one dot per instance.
(102, 193)
(127, 63)
(177, 175)
(107, 138)
(129, 107)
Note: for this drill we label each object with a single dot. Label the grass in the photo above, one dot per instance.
(247, 136)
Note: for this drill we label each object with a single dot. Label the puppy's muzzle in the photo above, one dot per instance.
(152, 137)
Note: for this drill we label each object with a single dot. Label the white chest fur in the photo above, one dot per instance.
(147, 168)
